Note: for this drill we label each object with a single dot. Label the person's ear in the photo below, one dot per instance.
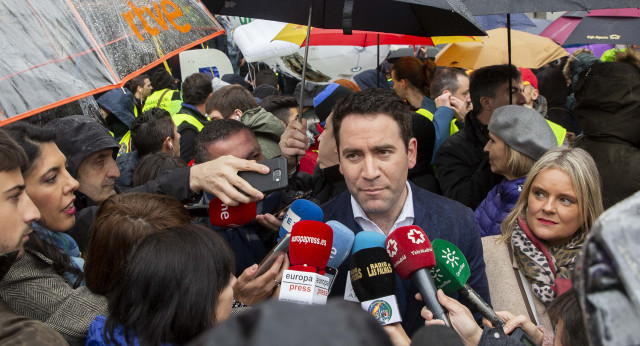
(167, 145)
(534, 94)
(237, 114)
(412, 152)
(487, 103)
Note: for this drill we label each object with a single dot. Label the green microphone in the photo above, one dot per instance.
(451, 273)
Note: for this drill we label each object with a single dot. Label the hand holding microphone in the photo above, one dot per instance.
(451, 273)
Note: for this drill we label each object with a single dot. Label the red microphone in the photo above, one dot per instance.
(223, 215)
(310, 246)
(412, 256)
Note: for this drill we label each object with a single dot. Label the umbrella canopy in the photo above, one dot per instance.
(527, 51)
(58, 51)
(297, 34)
(410, 17)
(523, 6)
(614, 26)
(519, 21)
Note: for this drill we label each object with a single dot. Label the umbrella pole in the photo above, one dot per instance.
(378, 65)
(509, 54)
(304, 66)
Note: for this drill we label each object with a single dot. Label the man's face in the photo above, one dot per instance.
(241, 145)
(530, 94)
(146, 89)
(463, 90)
(97, 175)
(375, 163)
(502, 95)
(327, 150)
(293, 115)
(17, 211)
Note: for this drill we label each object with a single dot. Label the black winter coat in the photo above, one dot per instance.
(462, 166)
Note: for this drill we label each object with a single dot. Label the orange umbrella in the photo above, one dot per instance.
(527, 50)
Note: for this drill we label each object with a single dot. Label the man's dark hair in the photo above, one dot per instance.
(150, 166)
(172, 281)
(567, 308)
(446, 79)
(279, 106)
(150, 129)
(229, 98)
(485, 82)
(369, 103)
(137, 82)
(213, 132)
(266, 76)
(29, 138)
(11, 155)
(196, 88)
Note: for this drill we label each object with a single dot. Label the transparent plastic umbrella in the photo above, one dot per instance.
(58, 51)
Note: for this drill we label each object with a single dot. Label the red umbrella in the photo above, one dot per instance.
(617, 26)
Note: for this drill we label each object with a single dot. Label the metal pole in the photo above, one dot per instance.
(509, 53)
(378, 65)
(304, 66)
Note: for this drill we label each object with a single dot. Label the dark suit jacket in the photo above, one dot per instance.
(440, 218)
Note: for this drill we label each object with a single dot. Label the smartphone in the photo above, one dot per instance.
(276, 179)
(281, 248)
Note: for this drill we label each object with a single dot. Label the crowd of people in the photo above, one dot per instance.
(104, 240)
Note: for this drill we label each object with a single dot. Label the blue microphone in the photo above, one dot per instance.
(367, 239)
(300, 209)
(343, 239)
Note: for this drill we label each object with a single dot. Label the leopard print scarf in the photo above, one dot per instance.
(545, 266)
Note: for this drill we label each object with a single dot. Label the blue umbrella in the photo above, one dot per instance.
(519, 21)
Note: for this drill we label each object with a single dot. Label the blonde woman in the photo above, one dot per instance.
(560, 200)
(518, 136)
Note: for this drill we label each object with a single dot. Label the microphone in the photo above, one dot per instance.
(310, 245)
(412, 256)
(223, 215)
(373, 279)
(451, 273)
(300, 209)
(343, 239)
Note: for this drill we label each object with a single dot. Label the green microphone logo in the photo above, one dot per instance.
(451, 270)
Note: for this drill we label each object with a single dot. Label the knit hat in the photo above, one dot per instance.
(327, 98)
(523, 129)
(528, 78)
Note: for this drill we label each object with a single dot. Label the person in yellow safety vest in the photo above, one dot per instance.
(166, 95)
(196, 90)
(538, 102)
(450, 88)
(141, 88)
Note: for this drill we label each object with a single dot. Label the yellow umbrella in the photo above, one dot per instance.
(294, 33)
(527, 50)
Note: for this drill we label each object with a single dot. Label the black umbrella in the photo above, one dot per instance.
(411, 17)
(522, 6)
